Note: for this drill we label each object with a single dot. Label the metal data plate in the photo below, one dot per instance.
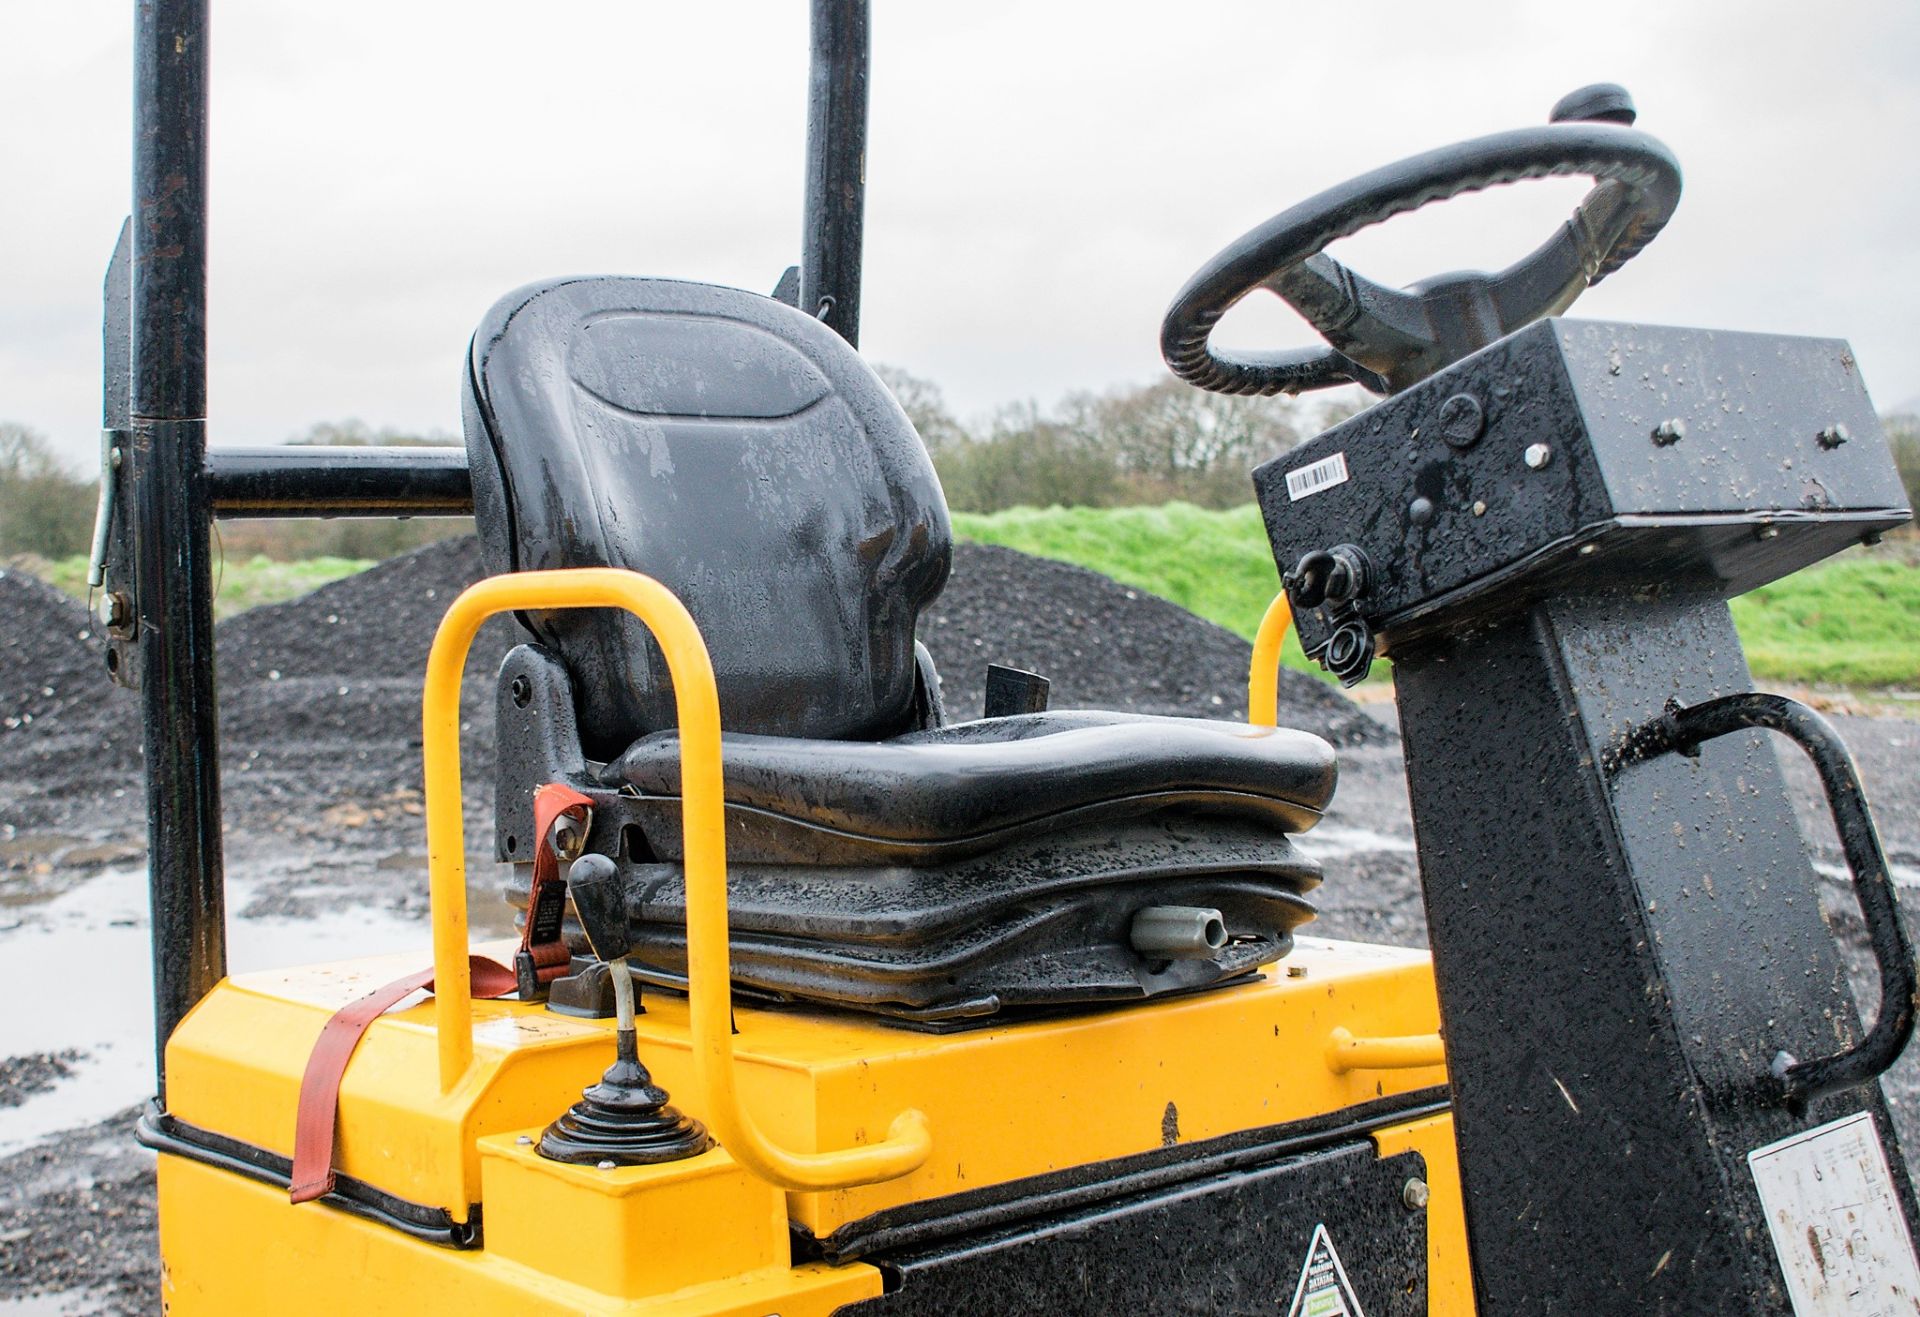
(1836, 1221)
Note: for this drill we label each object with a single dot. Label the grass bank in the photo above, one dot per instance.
(238, 585)
(1853, 621)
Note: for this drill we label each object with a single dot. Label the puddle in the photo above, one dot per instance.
(83, 961)
(73, 1303)
(1903, 875)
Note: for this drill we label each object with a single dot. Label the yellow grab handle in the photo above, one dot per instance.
(1263, 681)
(703, 822)
(1347, 1052)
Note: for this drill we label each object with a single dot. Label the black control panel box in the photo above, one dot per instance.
(1588, 455)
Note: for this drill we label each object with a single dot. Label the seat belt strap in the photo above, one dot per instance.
(314, 1119)
(543, 955)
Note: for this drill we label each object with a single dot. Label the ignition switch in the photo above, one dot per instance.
(1334, 580)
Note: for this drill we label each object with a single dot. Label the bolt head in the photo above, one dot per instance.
(568, 837)
(1537, 456)
(1669, 432)
(603, 1166)
(1415, 1194)
(1462, 420)
(114, 609)
(1833, 436)
(1420, 511)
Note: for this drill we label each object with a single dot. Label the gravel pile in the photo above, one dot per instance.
(1105, 646)
(320, 696)
(62, 738)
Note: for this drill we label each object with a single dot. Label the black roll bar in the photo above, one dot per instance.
(154, 408)
(168, 510)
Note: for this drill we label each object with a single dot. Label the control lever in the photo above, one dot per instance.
(623, 1120)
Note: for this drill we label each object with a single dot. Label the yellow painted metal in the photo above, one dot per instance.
(233, 1246)
(1347, 1051)
(908, 1141)
(1449, 1276)
(1009, 1101)
(631, 1232)
(1263, 678)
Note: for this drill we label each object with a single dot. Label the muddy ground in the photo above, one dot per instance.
(321, 776)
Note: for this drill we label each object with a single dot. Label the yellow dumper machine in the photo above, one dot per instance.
(824, 1002)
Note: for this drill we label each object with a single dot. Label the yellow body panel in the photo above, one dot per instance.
(232, 1246)
(1004, 1102)
(1449, 1279)
(631, 1232)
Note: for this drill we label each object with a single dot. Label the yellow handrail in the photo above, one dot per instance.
(1263, 680)
(1408, 1052)
(703, 823)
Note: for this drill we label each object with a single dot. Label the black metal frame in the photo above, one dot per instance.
(169, 487)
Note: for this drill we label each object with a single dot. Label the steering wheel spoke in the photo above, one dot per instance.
(1546, 281)
(1366, 322)
(1389, 338)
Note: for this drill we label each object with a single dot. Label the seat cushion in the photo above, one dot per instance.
(733, 449)
(969, 788)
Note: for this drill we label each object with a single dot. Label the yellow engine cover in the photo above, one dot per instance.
(703, 1236)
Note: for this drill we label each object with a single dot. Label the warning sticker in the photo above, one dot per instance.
(1836, 1220)
(1324, 1290)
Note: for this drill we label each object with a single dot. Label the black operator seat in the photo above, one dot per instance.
(742, 454)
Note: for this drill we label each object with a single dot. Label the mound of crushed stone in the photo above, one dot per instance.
(50, 660)
(63, 736)
(1105, 646)
(320, 696)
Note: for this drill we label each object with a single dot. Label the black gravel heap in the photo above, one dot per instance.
(320, 696)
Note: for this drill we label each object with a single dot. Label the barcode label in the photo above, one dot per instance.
(1311, 479)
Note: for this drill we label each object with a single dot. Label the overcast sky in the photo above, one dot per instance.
(1042, 176)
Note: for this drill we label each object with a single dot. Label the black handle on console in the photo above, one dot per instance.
(1681, 730)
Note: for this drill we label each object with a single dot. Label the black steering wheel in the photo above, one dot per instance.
(1387, 339)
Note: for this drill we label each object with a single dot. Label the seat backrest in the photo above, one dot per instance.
(733, 449)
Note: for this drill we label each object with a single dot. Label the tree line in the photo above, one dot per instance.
(1145, 445)
(1150, 444)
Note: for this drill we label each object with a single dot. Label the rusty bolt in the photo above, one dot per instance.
(114, 609)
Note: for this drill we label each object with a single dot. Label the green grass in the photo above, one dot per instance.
(1216, 564)
(1853, 621)
(238, 585)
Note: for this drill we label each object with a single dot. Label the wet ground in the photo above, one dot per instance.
(326, 852)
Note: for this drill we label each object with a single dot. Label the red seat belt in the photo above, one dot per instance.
(541, 945)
